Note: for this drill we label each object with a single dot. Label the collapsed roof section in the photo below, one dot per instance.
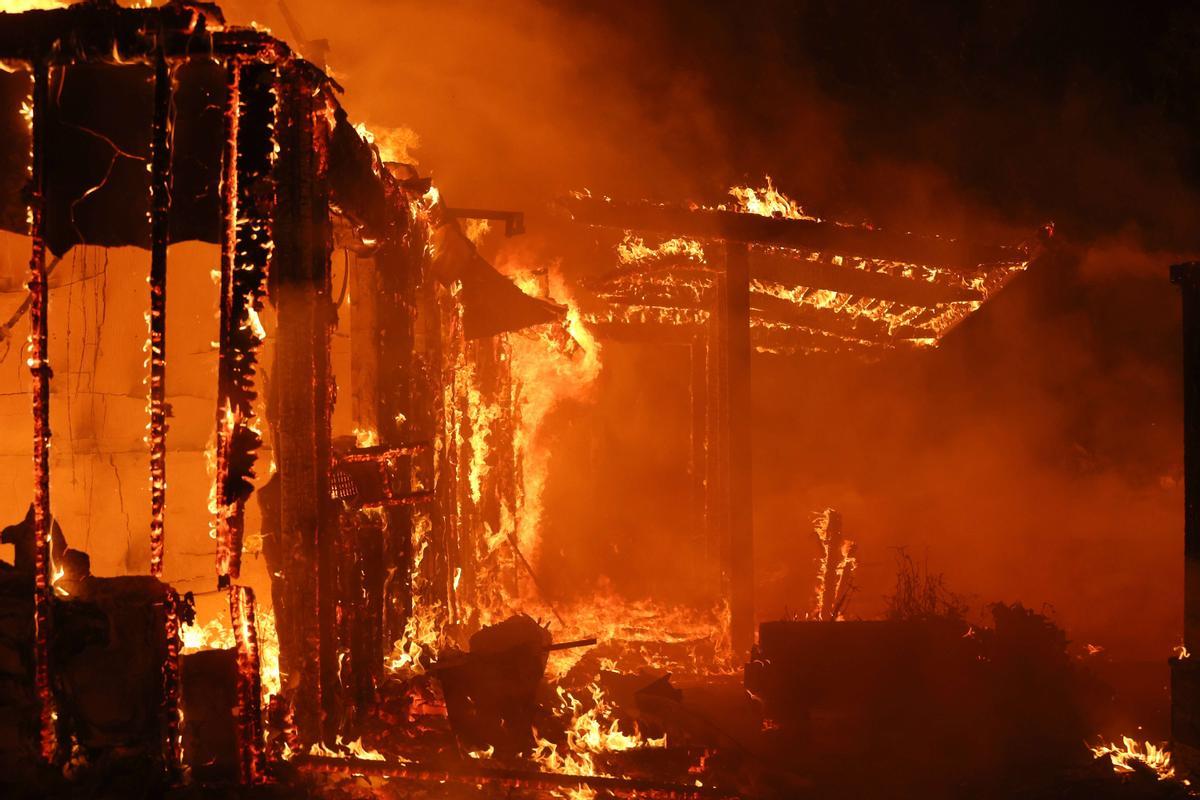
(815, 285)
(97, 133)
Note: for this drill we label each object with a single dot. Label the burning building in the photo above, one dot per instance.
(292, 530)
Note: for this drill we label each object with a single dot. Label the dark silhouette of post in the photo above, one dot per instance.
(740, 554)
(1185, 675)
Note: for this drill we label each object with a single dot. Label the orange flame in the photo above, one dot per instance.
(1126, 757)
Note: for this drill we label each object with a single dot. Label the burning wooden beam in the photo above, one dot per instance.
(815, 271)
(39, 366)
(852, 326)
(805, 235)
(227, 524)
(247, 205)
(788, 270)
(251, 764)
(172, 752)
(160, 208)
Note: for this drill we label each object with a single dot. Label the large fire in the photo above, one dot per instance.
(407, 531)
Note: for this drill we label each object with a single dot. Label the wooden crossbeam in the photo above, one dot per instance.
(810, 236)
(776, 309)
(793, 273)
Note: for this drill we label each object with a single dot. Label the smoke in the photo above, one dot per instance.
(1036, 456)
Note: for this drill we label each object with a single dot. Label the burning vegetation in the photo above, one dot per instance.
(343, 580)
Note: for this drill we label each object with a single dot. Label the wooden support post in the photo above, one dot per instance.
(39, 366)
(741, 513)
(451, 469)
(160, 207)
(172, 752)
(1187, 278)
(698, 437)
(227, 522)
(301, 403)
(395, 277)
(247, 208)
(251, 764)
(717, 434)
(364, 344)
(1185, 670)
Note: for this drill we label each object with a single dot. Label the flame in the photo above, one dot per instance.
(589, 732)
(395, 145)
(546, 377)
(633, 250)
(18, 6)
(483, 416)
(1126, 757)
(57, 574)
(366, 437)
(216, 634)
(766, 202)
(356, 749)
(1181, 651)
(830, 597)
(413, 653)
(477, 229)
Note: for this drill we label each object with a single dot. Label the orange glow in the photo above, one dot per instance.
(17, 6)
